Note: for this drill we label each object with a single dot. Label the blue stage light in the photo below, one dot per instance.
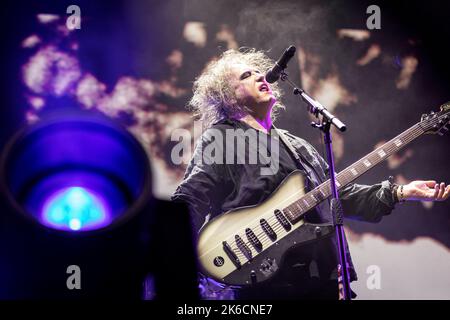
(75, 209)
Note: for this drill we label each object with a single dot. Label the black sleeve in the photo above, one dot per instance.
(203, 179)
(367, 202)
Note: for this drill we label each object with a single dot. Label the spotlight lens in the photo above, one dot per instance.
(75, 209)
(75, 224)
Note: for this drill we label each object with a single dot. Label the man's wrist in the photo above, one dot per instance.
(394, 190)
(393, 187)
(398, 193)
(401, 193)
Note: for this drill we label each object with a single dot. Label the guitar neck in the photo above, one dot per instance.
(295, 210)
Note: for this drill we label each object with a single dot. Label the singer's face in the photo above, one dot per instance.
(251, 88)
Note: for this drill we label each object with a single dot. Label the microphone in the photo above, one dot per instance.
(274, 74)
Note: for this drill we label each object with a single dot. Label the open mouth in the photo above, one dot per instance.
(264, 88)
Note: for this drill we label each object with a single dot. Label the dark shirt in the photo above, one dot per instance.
(212, 186)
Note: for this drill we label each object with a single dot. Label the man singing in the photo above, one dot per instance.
(232, 96)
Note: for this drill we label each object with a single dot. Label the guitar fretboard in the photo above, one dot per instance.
(295, 210)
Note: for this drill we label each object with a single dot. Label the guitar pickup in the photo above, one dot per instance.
(253, 239)
(230, 253)
(268, 229)
(282, 220)
(243, 247)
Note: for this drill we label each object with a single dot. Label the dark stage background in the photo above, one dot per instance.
(135, 61)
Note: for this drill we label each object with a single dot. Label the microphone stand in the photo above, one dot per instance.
(328, 119)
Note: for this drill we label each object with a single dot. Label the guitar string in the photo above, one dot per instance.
(276, 226)
(344, 174)
(410, 133)
(266, 239)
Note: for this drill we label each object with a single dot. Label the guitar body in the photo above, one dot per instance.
(263, 264)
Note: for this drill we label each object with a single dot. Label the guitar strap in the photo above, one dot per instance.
(307, 167)
(288, 144)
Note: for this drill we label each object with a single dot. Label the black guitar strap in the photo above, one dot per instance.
(288, 144)
(302, 160)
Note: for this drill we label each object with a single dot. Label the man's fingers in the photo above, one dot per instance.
(441, 190)
(430, 183)
(436, 191)
(446, 193)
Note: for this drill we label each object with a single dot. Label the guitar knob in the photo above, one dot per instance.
(318, 231)
(253, 276)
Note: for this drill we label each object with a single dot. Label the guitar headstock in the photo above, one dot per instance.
(437, 122)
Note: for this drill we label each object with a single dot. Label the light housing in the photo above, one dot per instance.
(76, 171)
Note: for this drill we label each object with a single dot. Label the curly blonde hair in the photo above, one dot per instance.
(214, 95)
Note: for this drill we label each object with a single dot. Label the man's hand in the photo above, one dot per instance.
(424, 191)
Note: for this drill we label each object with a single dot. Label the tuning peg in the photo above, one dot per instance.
(443, 128)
